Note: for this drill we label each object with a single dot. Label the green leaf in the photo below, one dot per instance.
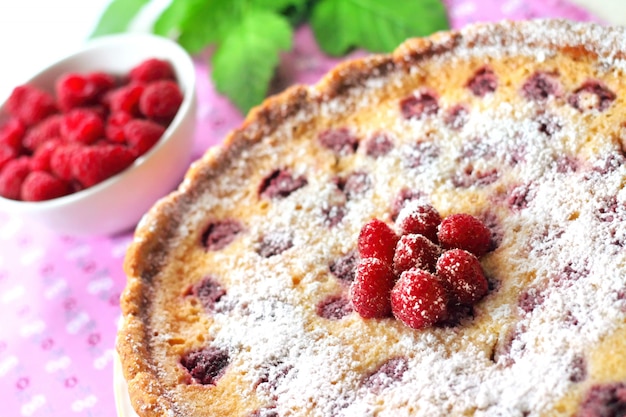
(198, 23)
(297, 13)
(376, 25)
(277, 5)
(245, 62)
(117, 17)
(169, 22)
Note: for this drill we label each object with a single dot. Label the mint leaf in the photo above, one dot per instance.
(197, 24)
(170, 20)
(378, 26)
(296, 11)
(117, 17)
(244, 63)
(277, 5)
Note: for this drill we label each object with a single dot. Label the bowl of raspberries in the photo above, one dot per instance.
(91, 142)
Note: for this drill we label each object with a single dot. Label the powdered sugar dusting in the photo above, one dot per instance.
(277, 323)
(561, 236)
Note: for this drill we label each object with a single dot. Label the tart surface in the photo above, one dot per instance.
(237, 296)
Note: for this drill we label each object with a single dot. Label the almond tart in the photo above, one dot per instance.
(238, 304)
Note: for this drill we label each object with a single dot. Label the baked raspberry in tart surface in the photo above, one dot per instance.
(239, 299)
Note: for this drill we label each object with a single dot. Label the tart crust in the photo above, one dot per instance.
(166, 245)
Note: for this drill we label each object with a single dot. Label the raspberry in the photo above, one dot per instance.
(419, 218)
(40, 186)
(607, 400)
(333, 214)
(152, 69)
(464, 231)
(220, 234)
(160, 100)
(274, 243)
(125, 98)
(369, 292)
(280, 183)
(355, 184)
(340, 141)
(578, 369)
(209, 291)
(540, 86)
(377, 145)
(80, 90)
(114, 127)
(74, 90)
(414, 107)
(531, 298)
(141, 135)
(415, 251)
(418, 299)
(94, 164)
(102, 82)
(591, 95)
(11, 134)
(61, 160)
(377, 240)
(462, 274)
(101, 111)
(519, 197)
(344, 267)
(271, 372)
(30, 104)
(206, 365)
(7, 154)
(404, 197)
(334, 307)
(456, 117)
(12, 177)
(41, 158)
(483, 82)
(47, 129)
(388, 372)
(81, 125)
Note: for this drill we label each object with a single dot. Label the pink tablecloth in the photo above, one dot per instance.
(59, 295)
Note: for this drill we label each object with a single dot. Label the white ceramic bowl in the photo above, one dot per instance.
(117, 204)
